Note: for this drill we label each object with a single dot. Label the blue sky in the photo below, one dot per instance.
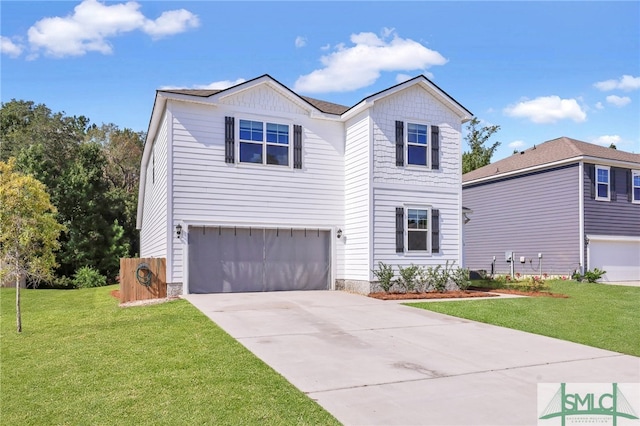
(540, 70)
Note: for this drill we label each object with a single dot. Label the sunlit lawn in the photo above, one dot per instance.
(83, 360)
(600, 315)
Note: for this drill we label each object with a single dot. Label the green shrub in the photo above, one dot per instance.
(460, 277)
(593, 276)
(408, 279)
(62, 282)
(87, 277)
(385, 274)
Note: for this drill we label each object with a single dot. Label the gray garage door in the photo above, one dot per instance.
(226, 260)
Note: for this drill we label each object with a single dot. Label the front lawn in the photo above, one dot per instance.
(83, 360)
(600, 315)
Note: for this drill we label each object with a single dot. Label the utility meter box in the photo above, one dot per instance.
(508, 256)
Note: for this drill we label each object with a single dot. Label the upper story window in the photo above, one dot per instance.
(635, 186)
(417, 144)
(602, 183)
(264, 143)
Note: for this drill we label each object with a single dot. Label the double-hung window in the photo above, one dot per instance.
(417, 229)
(417, 144)
(264, 143)
(602, 183)
(635, 185)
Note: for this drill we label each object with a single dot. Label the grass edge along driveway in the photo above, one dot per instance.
(83, 360)
(600, 315)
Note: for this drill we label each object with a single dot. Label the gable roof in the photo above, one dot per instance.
(323, 106)
(556, 150)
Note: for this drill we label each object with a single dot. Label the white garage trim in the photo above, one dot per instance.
(186, 225)
(619, 256)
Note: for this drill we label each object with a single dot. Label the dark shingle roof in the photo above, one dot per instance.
(326, 107)
(549, 152)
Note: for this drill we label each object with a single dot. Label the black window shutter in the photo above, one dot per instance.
(435, 147)
(399, 230)
(435, 231)
(591, 169)
(612, 180)
(297, 146)
(399, 143)
(229, 140)
(629, 186)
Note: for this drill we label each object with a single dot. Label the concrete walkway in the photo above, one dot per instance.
(371, 362)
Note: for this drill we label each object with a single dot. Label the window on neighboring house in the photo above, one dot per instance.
(602, 183)
(264, 143)
(417, 229)
(417, 144)
(635, 186)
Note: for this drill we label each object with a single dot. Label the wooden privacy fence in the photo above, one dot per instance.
(142, 279)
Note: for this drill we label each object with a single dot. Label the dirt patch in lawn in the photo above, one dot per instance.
(115, 293)
(431, 295)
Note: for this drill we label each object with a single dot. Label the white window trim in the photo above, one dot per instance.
(406, 145)
(406, 229)
(608, 169)
(633, 193)
(264, 142)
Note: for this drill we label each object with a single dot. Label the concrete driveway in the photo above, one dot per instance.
(371, 362)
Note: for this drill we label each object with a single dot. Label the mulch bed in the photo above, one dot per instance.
(476, 292)
(430, 295)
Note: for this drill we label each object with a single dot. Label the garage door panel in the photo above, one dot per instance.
(223, 260)
(620, 259)
(296, 260)
(242, 265)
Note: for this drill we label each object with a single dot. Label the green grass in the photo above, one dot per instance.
(83, 360)
(599, 315)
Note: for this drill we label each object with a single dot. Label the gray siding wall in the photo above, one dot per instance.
(619, 216)
(530, 214)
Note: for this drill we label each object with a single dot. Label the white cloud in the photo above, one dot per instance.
(216, 85)
(547, 109)
(618, 101)
(516, 144)
(300, 41)
(326, 47)
(401, 78)
(607, 140)
(360, 65)
(599, 105)
(92, 23)
(8, 47)
(626, 83)
(170, 23)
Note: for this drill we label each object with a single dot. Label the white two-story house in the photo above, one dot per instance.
(256, 188)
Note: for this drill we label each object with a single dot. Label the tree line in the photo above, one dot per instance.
(91, 173)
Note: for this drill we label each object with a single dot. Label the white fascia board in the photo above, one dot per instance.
(356, 109)
(523, 171)
(585, 159)
(613, 163)
(619, 238)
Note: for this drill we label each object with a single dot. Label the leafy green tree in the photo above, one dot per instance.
(479, 154)
(28, 230)
(91, 174)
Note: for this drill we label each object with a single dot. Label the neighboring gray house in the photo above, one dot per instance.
(575, 203)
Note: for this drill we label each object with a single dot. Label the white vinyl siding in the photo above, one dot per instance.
(387, 198)
(153, 235)
(207, 190)
(357, 196)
